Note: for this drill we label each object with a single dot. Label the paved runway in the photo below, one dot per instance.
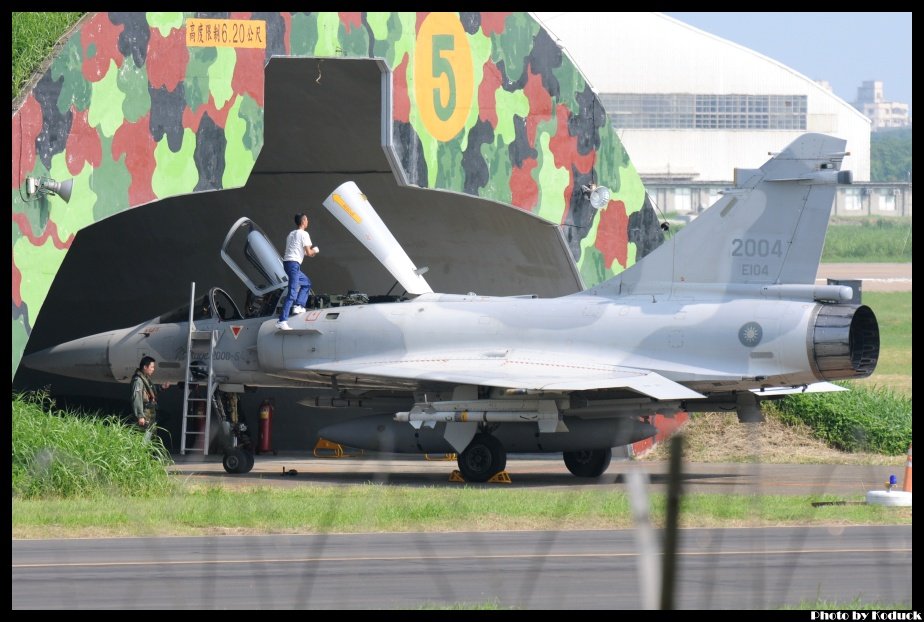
(547, 472)
(877, 277)
(760, 568)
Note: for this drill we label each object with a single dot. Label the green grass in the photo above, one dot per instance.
(63, 454)
(379, 508)
(864, 419)
(34, 36)
(872, 240)
(893, 312)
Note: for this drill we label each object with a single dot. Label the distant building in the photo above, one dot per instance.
(690, 107)
(883, 114)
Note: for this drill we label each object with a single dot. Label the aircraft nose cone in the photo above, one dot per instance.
(86, 358)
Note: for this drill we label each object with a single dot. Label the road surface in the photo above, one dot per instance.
(542, 471)
(746, 568)
(877, 277)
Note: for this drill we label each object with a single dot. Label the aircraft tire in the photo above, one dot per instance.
(483, 458)
(589, 462)
(235, 461)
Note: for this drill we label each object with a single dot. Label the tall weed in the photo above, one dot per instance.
(66, 454)
(866, 418)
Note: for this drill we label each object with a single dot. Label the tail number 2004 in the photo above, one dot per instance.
(756, 248)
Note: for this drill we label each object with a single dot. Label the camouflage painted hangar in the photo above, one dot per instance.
(471, 133)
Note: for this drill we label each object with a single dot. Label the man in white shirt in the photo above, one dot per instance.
(298, 244)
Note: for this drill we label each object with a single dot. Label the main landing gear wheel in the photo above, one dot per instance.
(483, 458)
(237, 460)
(588, 462)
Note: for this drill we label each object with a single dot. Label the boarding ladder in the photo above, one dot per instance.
(195, 438)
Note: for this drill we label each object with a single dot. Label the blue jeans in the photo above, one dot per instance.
(299, 286)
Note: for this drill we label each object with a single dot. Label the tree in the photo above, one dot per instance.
(890, 155)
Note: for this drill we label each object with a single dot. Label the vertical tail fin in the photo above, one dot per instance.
(770, 228)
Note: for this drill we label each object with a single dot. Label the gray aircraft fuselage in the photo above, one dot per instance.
(697, 343)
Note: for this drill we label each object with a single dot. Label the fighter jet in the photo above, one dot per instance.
(721, 316)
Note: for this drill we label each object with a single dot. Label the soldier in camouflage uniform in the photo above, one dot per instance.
(144, 396)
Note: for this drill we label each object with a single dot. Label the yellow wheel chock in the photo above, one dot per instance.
(446, 457)
(329, 449)
(501, 477)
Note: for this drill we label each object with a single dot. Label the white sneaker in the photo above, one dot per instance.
(283, 326)
(297, 309)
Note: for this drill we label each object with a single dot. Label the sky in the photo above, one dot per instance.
(843, 48)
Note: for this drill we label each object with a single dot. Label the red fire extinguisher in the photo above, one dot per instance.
(266, 426)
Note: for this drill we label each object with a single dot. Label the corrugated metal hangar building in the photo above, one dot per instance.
(690, 107)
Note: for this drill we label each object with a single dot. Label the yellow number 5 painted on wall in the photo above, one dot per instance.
(443, 76)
